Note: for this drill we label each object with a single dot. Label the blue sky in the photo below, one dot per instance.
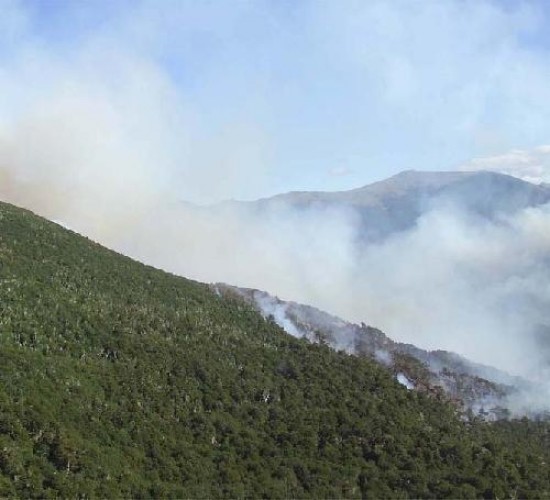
(243, 99)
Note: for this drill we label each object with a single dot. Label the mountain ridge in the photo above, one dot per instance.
(397, 183)
(395, 204)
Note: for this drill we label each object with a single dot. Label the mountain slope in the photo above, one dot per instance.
(395, 204)
(119, 380)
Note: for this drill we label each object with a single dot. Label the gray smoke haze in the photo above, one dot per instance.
(453, 282)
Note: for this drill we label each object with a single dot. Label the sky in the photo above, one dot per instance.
(245, 99)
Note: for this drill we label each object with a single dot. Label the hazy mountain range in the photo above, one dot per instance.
(395, 204)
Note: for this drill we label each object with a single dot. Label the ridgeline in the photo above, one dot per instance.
(120, 380)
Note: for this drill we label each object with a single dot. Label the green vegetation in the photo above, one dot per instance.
(117, 379)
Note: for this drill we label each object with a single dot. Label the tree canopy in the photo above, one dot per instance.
(120, 380)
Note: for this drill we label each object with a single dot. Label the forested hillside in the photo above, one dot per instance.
(119, 380)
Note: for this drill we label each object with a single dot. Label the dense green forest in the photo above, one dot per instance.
(120, 380)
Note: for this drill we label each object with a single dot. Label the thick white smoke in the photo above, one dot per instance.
(453, 282)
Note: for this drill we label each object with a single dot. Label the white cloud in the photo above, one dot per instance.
(528, 165)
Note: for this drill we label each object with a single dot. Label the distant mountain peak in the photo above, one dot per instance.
(409, 179)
